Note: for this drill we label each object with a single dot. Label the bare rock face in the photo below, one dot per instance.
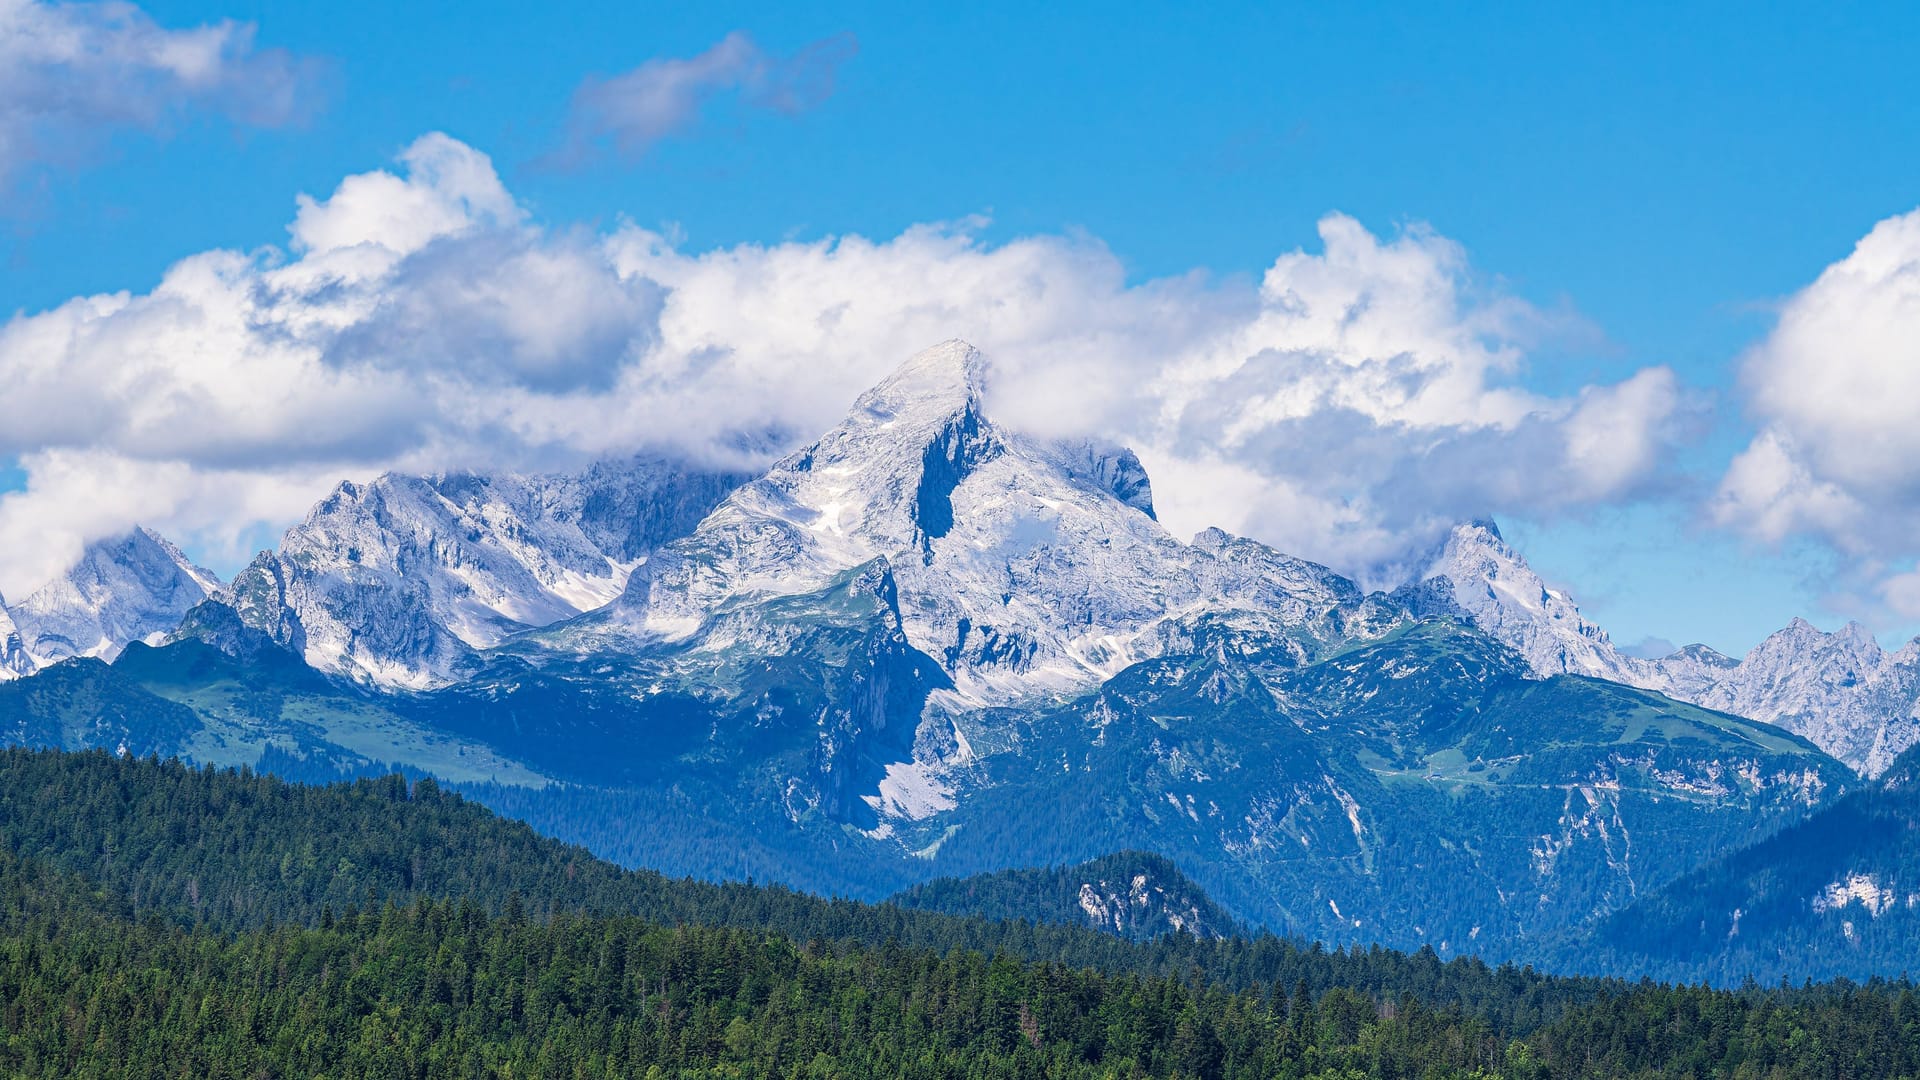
(1840, 690)
(1475, 576)
(14, 661)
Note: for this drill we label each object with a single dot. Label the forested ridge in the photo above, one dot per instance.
(1838, 892)
(232, 851)
(375, 943)
(1136, 894)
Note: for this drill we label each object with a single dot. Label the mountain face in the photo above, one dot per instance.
(399, 582)
(1475, 576)
(1421, 788)
(1841, 691)
(1837, 894)
(129, 588)
(1024, 568)
(926, 645)
(14, 661)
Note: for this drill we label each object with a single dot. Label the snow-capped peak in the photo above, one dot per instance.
(127, 588)
(399, 580)
(888, 470)
(1840, 690)
(933, 385)
(1023, 565)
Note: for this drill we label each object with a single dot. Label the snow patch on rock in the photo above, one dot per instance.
(911, 790)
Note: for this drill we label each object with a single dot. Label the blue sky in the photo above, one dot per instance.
(1668, 176)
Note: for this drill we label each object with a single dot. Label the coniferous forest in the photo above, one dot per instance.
(165, 921)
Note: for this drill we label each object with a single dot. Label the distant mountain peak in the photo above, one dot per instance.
(1212, 538)
(1857, 632)
(131, 587)
(1024, 565)
(1705, 654)
(1853, 641)
(888, 470)
(1840, 690)
(1473, 573)
(400, 580)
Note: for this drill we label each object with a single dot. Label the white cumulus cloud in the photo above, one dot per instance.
(1834, 391)
(1346, 405)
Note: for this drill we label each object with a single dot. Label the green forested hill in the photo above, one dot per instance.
(473, 954)
(440, 991)
(1419, 789)
(1136, 894)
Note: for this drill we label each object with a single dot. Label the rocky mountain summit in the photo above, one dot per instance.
(124, 589)
(399, 581)
(1840, 690)
(929, 645)
(1022, 567)
(1475, 576)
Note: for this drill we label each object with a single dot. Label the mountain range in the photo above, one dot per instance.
(926, 645)
(1840, 690)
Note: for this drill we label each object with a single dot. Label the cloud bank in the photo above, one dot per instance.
(636, 109)
(1835, 392)
(1345, 406)
(73, 73)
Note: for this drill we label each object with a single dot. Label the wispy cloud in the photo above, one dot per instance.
(72, 74)
(633, 111)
